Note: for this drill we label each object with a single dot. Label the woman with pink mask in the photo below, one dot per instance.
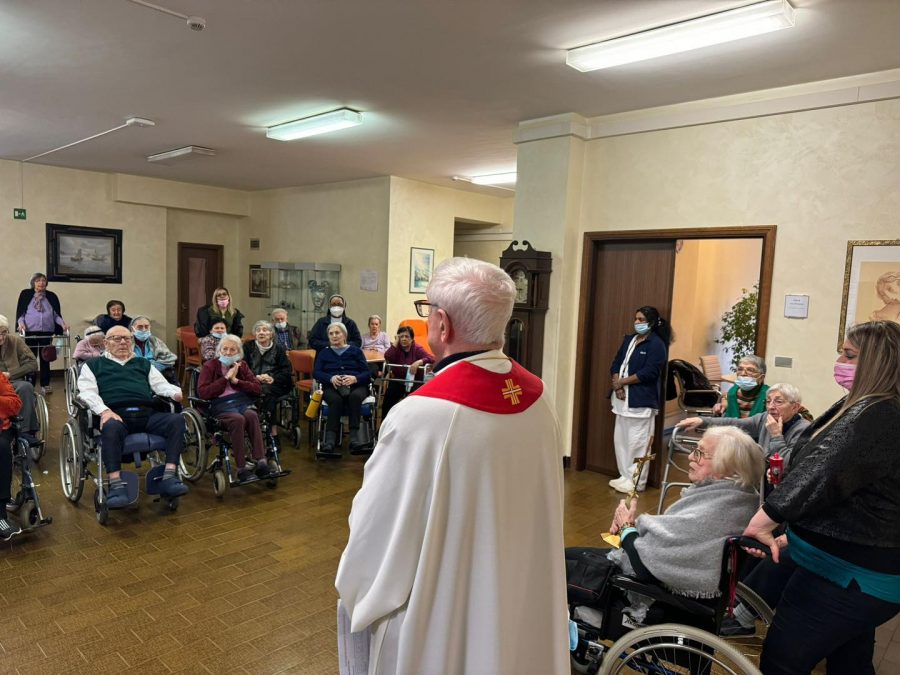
(220, 309)
(841, 505)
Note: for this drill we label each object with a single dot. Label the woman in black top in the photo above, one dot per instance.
(39, 316)
(220, 309)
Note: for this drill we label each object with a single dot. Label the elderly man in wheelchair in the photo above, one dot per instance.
(119, 387)
(672, 563)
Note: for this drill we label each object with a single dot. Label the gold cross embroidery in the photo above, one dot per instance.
(512, 392)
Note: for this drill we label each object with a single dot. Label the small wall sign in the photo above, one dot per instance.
(19, 214)
(796, 306)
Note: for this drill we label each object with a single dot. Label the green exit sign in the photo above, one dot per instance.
(19, 214)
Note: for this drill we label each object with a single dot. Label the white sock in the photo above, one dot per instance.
(744, 616)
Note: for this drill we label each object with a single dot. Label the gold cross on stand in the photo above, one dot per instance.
(615, 540)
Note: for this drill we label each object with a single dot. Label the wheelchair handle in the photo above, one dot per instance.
(750, 542)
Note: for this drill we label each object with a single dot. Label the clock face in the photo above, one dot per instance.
(520, 279)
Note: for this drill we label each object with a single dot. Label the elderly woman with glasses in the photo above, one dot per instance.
(39, 316)
(221, 308)
(682, 548)
(344, 375)
(748, 396)
(406, 359)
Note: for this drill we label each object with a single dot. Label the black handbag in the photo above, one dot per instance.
(587, 573)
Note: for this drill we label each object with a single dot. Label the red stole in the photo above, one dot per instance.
(474, 387)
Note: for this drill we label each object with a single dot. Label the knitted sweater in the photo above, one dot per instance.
(16, 358)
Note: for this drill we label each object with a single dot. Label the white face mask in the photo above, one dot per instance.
(337, 311)
(281, 325)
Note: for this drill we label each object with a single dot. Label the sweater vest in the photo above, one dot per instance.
(120, 383)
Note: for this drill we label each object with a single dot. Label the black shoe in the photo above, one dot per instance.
(263, 470)
(244, 474)
(172, 487)
(118, 497)
(8, 530)
(329, 442)
(30, 438)
(731, 627)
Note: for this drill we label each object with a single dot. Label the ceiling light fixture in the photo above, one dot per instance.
(713, 29)
(196, 23)
(316, 124)
(495, 180)
(188, 150)
(129, 122)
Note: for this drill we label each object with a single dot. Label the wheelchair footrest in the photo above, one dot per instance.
(364, 450)
(321, 454)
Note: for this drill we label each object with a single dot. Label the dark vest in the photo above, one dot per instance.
(122, 383)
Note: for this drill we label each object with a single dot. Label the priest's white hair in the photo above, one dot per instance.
(477, 296)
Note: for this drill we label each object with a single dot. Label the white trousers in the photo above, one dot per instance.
(630, 438)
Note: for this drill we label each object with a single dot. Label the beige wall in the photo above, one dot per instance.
(423, 216)
(487, 250)
(822, 176)
(709, 277)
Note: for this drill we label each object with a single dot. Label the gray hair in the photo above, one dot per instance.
(736, 456)
(138, 318)
(374, 316)
(789, 391)
(338, 325)
(279, 309)
(4, 322)
(262, 322)
(229, 338)
(758, 361)
(477, 296)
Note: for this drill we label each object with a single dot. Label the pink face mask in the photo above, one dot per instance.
(844, 374)
(222, 303)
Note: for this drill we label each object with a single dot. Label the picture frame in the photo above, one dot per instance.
(871, 283)
(260, 282)
(84, 255)
(421, 265)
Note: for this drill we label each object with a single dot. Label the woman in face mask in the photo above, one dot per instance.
(231, 387)
(840, 502)
(636, 376)
(748, 396)
(148, 346)
(209, 343)
(221, 308)
(318, 336)
(269, 362)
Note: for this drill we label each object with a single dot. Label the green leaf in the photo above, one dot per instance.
(738, 332)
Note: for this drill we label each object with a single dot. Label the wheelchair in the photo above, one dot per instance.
(79, 449)
(367, 427)
(678, 635)
(24, 500)
(203, 430)
(37, 343)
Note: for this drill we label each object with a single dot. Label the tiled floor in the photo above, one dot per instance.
(241, 584)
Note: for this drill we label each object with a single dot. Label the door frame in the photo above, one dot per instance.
(585, 305)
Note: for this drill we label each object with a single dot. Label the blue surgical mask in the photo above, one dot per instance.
(641, 328)
(745, 382)
(229, 360)
(218, 336)
(142, 335)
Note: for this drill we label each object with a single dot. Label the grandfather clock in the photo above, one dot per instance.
(530, 270)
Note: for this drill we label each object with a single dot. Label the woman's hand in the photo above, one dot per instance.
(719, 407)
(760, 528)
(231, 375)
(21, 327)
(625, 514)
(690, 423)
(336, 380)
(620, 394)
(350, 380)
(414, 366)
(774, 425)
(614, 383)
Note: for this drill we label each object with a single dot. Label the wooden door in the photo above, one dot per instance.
(626, 275)
(199, 273)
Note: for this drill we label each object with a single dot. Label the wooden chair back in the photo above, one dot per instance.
(302, 363)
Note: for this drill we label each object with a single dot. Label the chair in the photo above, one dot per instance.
(302, 363)
(695, 393)
(189, 352)
(712, 368)
(420, 328)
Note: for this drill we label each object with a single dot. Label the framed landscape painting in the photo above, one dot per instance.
(84, 254)
(421, 264)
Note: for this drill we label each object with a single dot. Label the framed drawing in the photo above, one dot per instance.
(871, 283)
(421, 264)
(84, 254)
(259, 282)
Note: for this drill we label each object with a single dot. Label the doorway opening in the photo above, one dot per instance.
(199, 273)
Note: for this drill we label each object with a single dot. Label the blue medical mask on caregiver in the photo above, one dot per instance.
(641, 328)
(142, 335)
(229, 360)
(218, 336)
(745, 382)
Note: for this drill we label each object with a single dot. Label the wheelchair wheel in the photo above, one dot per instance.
(71, 469)
(71, 388)
(296, 437)
(192, 462)
(18, 494)
(220, 483)
(43, 420)
(29, 516)
(751, 645)
(676, 649)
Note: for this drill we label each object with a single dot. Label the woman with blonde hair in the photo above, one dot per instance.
(841, 504)
(220, 309)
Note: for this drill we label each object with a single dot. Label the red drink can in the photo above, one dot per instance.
(776, 468)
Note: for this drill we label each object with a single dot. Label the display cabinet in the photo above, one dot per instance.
(303, 289)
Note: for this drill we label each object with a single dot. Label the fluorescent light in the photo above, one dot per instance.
(734, 24)
(181, 152)
(508, 178)
(317, 124)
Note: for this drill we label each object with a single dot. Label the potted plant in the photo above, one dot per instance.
(738, 332)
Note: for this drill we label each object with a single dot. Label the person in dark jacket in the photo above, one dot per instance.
(841, 504)
(406, 359)
(269, 362)
(637, 372)
(39, 316)
(318, 336)
(344, 375)
(220, 309)
(115, 316)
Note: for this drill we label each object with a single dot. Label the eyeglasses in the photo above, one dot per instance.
(118, 338)
(399, 336)
(697, 453)
(4, 333)
(776, 401)
(744, 370)
(423, 308)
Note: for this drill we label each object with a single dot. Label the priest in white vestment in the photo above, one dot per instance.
(455, 559)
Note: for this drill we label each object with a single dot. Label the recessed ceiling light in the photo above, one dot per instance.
(713, 29)
(314, 125)
(182, 152)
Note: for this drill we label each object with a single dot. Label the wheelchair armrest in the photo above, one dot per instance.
(660, 594)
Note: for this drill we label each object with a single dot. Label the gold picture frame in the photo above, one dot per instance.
(871, 274)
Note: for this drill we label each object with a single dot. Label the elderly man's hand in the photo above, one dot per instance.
(774, 425)
(108, 415)
(178, 396)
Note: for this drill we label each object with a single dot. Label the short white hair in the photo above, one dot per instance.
(230, 338)
(340, 325)
(789, 391)
(280, 310)
(477, 296)
(262, 323)
(736, 456)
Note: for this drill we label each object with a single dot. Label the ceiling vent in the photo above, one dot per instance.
(186, 152)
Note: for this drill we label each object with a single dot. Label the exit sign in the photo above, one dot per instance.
(19, 214)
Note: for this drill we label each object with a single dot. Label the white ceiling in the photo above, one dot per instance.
(443, 83)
